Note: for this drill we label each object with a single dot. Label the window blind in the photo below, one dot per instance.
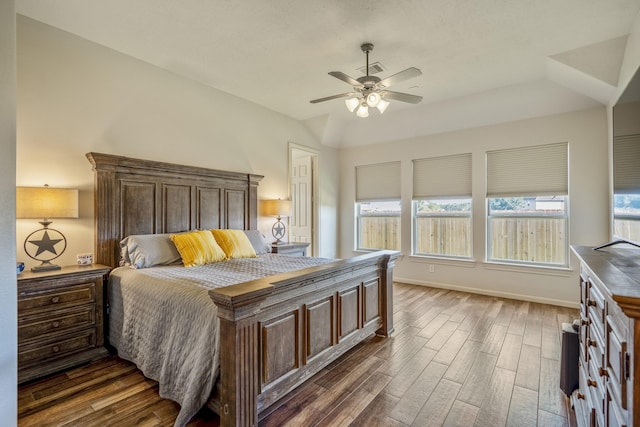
(442, 177)
(626, 164)
(378, 182)
(540, 170)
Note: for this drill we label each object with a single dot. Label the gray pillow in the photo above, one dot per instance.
(258, 241)
(148, 250)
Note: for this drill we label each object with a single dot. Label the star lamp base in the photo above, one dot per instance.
(45, 266)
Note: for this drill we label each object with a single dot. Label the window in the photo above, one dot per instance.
(527, 199)
(378, 206)
(442, 227)
(378, 225)
(528, 229)
(442, 206)
(626, 216)
(626, 187)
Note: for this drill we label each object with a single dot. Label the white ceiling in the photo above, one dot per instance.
(483, 61)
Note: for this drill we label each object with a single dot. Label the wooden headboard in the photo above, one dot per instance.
(134, 196)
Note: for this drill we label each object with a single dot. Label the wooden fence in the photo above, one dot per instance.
(449, 236)
(380, 232)
(627, 229)
(540, 240)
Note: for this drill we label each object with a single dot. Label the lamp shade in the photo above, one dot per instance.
(276, 207)
(382, 105)
(46, 202)
(352, 103)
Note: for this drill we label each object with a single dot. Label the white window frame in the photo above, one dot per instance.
(626, 180)
(528, 172)
(619, 217)
(528, 215)
(376, 183)
(415, 216)
(441, 179)
(360, 216)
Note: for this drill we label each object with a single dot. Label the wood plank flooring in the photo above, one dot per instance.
(455, 359)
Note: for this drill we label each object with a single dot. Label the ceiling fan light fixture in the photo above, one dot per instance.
(373, 99)
(363, 110)
(369, 91)
(352, 103)
(382, 105)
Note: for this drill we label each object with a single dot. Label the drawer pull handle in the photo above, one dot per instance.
(592, 383)
(56, 324)
(593, 343)
(580, 396)
(585, 322)
(55, 349)
(592, 303)
(603, 372)
(55, 299)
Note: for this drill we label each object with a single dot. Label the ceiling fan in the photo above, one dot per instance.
(371, 91)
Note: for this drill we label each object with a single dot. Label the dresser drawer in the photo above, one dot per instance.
(586, 397)
(597, 390)
(595, 346)
(38, 325)
(47, 350)
(83, 293)
(614, 412)
(616, 365)
(596, 309)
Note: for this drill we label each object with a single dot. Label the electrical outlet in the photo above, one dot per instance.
(432, 268)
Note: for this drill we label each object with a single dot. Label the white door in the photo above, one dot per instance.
(301, 198)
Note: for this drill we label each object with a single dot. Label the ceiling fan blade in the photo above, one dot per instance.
(328, 98)
(404, 97)
(345, 78)
(400, 77)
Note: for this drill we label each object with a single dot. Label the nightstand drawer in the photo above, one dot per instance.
(73, 295)
(62, 346)
(291, 249)
(36, 325)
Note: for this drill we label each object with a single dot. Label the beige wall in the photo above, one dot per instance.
(8, 294)
(631, 61)
(626, 119)
(586, 133)
(75, 96)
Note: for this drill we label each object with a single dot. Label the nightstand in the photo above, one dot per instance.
(60, 319)
(293, 249)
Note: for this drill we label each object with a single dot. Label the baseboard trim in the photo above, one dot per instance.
(521, 297)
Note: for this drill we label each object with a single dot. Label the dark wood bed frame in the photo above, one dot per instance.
(275, 332)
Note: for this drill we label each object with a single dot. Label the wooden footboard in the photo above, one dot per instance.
(279, 331)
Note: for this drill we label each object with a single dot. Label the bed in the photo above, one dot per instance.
(275, 330)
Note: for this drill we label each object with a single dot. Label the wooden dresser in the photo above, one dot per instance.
(60, 319)
(609, 372)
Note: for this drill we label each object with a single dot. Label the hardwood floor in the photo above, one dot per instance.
(455, 359)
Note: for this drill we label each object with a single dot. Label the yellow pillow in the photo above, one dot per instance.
(234, 243)
(197, 248)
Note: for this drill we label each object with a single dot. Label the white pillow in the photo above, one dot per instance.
(258, 241)
(148, 250)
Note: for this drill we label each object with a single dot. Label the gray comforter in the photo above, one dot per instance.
(163, 320)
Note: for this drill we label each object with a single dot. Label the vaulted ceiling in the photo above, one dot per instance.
(482, 61)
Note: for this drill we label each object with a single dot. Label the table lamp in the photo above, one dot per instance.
(46, 244)
(279, 209)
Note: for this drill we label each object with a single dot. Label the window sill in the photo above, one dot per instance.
(457, 262)
(524, 268)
